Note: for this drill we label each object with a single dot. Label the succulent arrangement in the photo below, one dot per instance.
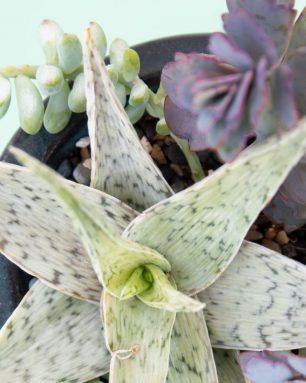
(134, 280)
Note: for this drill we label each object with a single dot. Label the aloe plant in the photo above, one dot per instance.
(134, 280)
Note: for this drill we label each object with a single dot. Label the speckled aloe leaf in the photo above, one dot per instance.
(258, 303)
(138, 337)
(114, 259)
(52, 337)
(201, 229)
(120, 165)
(275, 19)
(163, 294)
(29, 236)
(228, 368)
(191, 357)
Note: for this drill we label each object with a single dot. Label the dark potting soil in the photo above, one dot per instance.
(173, 165)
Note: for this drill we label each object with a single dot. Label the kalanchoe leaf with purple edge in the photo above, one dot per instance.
(243, 88)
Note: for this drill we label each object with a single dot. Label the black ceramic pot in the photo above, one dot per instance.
(53, 149)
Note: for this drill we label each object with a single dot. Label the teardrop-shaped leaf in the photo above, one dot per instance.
(30, 105)
(164, 296)
(58, 114)
(49, 33)
(120, 165)
(228, 368)
(258, 303)
(37, 234)
(50, 78)
(201, 229)
(114, 258)
(77, 98)
(191, 357)
(51, 337)
(5, 95)
(138, 337)
(99, 38)
(69, 51)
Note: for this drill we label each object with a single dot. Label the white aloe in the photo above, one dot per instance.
(144, 269)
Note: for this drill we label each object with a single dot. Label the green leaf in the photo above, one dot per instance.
(117, 154)
(5, 95)
(228, 367)
(135, 112)
(121, 93)
(139, 94)
(30, 105)
(50, 78)
(58, 114)
(259, 303)
(162, 127)
(201, 229)
(113, 258)
(49, 33)
(191, 357)
(99, 38)
(51, 337)
(69, 51)
(138, 337)
(136, 284)
(77, 97)
(155, 105)
(37, 234)
(163, 295)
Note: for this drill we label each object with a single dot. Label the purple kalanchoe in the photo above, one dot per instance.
(250, 83)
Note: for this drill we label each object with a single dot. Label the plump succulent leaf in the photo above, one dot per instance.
(195, 232)
(50, 79)
(289, 204)
(258, 303)
(117, 155)
(99, 38)
(5, 95)
(138, 337)
(49, 33)
(228, 367)
(273, 367)
(164, 296)
(57, 114)
(69, 51)
(191, 357)
(29, 237)
(52, 337)
(30, 105)
(77, 98)
(114, 259)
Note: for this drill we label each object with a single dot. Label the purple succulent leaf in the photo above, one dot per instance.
(243, 30)
(298, 38)
(297, 64)
(179, 77)
(260, 367)
(275, 18)
(259, 96)
(223, 48)
(289, 204)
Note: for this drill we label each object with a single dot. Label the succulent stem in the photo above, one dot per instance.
(192, 158)
(14, 71)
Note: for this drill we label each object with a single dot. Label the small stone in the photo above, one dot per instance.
(271, 245)
(87, 163)
(146, 144)
(254, 235)
(85, 153)
(177, 169)
(289, 250)
(270, 232)
(158, 155)
(282, 238)
(175, 155)
(82, 174)
(83, 142)
(65, 169)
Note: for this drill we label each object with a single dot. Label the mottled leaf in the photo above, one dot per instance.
(191, 357)
(138, 337)
(51, 337)
(228, 368)
(163, 295)
(258, 303)
(201, 229)
(114, 258)
(120, 165)
(37, 234)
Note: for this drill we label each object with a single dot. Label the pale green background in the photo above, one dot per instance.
(134, 20)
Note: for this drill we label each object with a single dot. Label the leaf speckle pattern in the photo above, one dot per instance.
(52, 337)
(228, 367)
(120, 165)
(258, 303)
